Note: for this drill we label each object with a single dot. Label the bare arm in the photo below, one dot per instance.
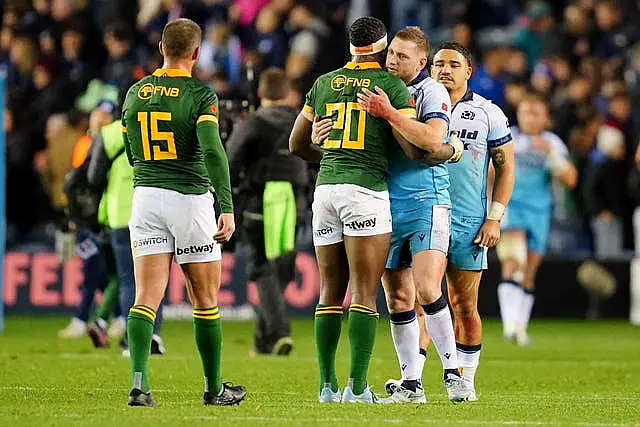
(451, 152)
(503, 160)
(300, 142)
(428, 136)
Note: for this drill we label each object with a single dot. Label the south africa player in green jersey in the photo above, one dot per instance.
(170, 128)
(351, 213)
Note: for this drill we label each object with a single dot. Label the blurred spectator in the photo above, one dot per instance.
(23, 56)
(118, 71)
(407, 13)
(487, 77)
(612, 35)
(49, 98)
(542, 80)
(632, 78)
(606, 180)
(463, 34)
(514, 92)
(634, 192)
(270, 40)
(575, 33)
(309, 34)
(539, 36)
(39, 19)
(516, 66)
(105, 12)
(61, 135)
(26, 201)
(76, 72)
(281, 7)
(567, 107)
(245, 13)
(221, 51)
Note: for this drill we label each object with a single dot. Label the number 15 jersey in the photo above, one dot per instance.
(356, 151)
(160, 116)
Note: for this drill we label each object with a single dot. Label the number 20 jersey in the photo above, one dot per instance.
(160, 115)
(356, 151)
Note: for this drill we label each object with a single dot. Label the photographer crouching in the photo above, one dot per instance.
(270, 185)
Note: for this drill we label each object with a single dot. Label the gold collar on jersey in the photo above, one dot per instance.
(171, 72)
(362, 65)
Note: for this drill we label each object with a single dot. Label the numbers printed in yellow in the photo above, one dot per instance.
(157, 136)
(345, 116)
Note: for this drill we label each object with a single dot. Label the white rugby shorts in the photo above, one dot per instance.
(350, 210)
(165, 221)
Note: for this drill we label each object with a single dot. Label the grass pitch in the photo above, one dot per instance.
(574, 374)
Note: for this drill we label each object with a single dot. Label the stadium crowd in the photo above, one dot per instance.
(64, 58)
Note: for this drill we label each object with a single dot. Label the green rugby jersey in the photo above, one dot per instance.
(170, 124)
(356, 150)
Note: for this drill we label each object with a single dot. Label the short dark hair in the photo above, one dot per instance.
(415, 35)
(448, 45)
(180, 37)
(274, 84)
(366, 30)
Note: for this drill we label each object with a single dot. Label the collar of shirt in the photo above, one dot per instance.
(420, 77)
(468, 96)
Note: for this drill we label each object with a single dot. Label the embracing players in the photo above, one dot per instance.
(484, 130)
(351, 213)
(420, 207)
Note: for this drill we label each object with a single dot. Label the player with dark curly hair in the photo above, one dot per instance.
(351, 212)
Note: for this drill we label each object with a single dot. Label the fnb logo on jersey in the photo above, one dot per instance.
(148, 90)
(195, 250)
(149, 241)
(338, 82)
(361, 225)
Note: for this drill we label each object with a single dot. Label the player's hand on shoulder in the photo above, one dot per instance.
(226, 227)
(489, 234)
(458, 147)
(375, 103)
(320, 129)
